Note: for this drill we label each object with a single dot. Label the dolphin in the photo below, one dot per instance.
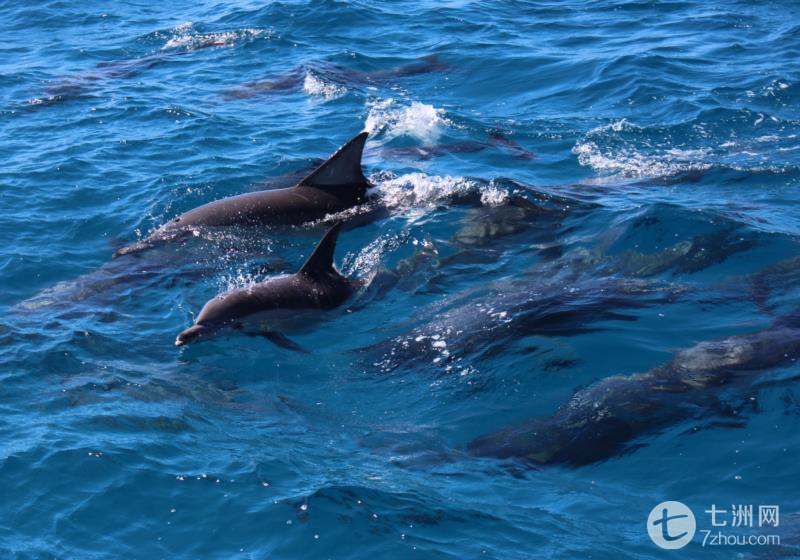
(336, 185)
(79, 85)
(426, 152)
(293, 80)
(603, 419)
(486, 321)
(284, 300)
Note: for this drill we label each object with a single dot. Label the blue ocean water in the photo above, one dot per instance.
(661, 140)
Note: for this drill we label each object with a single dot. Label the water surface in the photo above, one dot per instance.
(663, 138)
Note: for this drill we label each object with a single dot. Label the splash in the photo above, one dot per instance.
(740, 140)
(637, 164)
(494, 196)
(184, 36)
(316, 86)
(366, 263)
(238, 279)
(418, 190)
(614, 149)
(417, 120)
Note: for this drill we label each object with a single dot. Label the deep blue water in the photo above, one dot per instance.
(663, 137)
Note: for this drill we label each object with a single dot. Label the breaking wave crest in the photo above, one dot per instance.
(421, 191)
(186, 36)
(417, 120)
(316, 86)
(752, 142)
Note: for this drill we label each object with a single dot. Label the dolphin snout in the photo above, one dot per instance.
(191, 334)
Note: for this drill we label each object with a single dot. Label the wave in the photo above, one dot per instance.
(417, 120)
(317, 86)
(420, 192)
(740, 140)
(186, 36)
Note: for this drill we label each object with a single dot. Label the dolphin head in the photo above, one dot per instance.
(193, 333)
(217, 314)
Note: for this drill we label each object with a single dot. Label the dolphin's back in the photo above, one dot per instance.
(294, 205)
(294, 292)
(603, 418)
(334, 186)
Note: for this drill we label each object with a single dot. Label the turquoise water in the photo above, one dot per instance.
(662, 140)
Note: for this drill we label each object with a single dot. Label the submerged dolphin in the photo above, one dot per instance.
(472, 322)
(78, 85)
(426, 152)
(336, 185)
(603, 419)
(317, 286)
(295, 78)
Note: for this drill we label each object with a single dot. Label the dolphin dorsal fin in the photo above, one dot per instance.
(342, 168)
(321, 260)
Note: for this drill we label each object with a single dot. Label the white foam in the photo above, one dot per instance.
(186, 37)
(314, 85)
(241, 278)
(617, 126)
(343, 215)
(416, 193)
(421, 191)
(237, 280)
(494, 196)
(773, 87)
(183, 27)
(419, 120)
(606, 150)
(632, 163)
(366, 263)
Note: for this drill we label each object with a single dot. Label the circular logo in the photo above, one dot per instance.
(671, 525)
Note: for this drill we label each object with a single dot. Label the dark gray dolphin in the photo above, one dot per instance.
(605, 418)
(336, 185)
(281, 302)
